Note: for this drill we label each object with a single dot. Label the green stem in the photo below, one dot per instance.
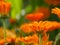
(57, 38)
(4, 25)
(40, 40)
(55, 43)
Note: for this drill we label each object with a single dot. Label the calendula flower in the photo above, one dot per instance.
(9, 33)
(2, 42)
(35, 26)
(29, 39)
(10, 40)
(31, 27)
(34, 16)
(45, 11)
(12, 21)
(4, 7)
(35, 44)
(45, 40)
(40, 26)
(40, 14)
(17, 41)
(52, 2)
(56, 11)
(48, 25)
(1, 0)
(35, 40)
(24, 29)
(1, 33)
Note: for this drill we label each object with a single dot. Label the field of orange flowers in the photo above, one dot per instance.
(29, 22)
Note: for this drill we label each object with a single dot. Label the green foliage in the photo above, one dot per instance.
(16, 6)
(28, 9)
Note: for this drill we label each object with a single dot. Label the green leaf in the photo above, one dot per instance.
(28, 9)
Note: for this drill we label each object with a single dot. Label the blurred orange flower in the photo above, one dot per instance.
(4, 7)
(12, 21)
(1, 0)
(10, 40)
(45, 11)
(35, 40)
(2, 42)
(45, 40)
(56, 11)
(40, 14)
(52, 2)
(29, 39)
(34, 16)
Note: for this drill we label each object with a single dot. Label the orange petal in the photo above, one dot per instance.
(34, 16)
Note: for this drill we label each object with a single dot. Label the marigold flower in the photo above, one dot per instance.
(2, 42)
(34, 16)
(45, 11)
(56, 11)
(35, 26)
(26, 28)
(40, 26)
(10, 40)
(12, 21)
(45, 40)
(9, 33)
(40, 14)
(17, 41)
(31, 27)
(35, 44)
(29, 39)
(52, 2)
(35, 40)
(4, 7)
(48, 25)
(1, 33)
(1, 0)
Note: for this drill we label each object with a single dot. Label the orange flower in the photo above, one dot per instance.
(34, 26)
(40, 26)
(2, 42)
(12, 21)
(35, 40)
(34, 16)
(26, 28)
(29, 39)
(48, 25)
(10, 40)
(52, 2)
(56, 11)
(31, 27)
(45, 11)
(9, 33)
(45, 40)
(1, 0)
(4, 7)
(40, 14)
